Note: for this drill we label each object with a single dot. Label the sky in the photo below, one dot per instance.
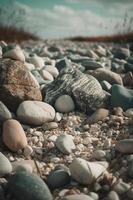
(68, 18)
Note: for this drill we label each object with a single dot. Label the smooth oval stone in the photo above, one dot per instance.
(99, 155)
(29, 66)
(28, 186)
(121, 187)
(99, 115)
(125, 146)
(121, 97)
(52, 70)
(64, 104)
(121, 53)
(46, 75)
(128, 67)
(13, 135)
(35, 112)
(5, 166)
(129, 112)
(50, 126)
(25, 165)
(58, 178)
(4, 112)
(106, 85)
(65, 143)
(16, 54)
(77, 197)
(37, 61)
(112, 196)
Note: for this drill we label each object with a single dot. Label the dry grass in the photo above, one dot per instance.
(11, 34)
(114, 38)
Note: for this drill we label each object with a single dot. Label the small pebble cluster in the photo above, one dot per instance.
(66, 113)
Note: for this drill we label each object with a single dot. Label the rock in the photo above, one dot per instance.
(52, 70)
(121, 97)
(15, 53)
(121, 187)
(50, 126)
(86, 172)
(94, 195)
(121, 53)
(46, 75)
(24, 168)
(112, 196)
(27, 186)
(35, 112)
(64, 104)
(130, 193)
(128, 67)
(129, 112)
(91, 65)
(24, 165)
(106, 85)
(28, 151)
(77, 197)
(63, 63)
(107, 75)
(58, 179)
(58, 117)
(99, 155)
(65, 143)
(16, 84)
(125, 146)
(13, 135)
(99, 115)
(37, 61)
(38, 77)
(84, 89)
(5, 166)
(128, 79)
(29, 66)
(101, 51)
(4, 112)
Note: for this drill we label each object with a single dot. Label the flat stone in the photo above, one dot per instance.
(13, 135)
(64, 104)
(65, 143)
(46, 75)
(27, 186)
(99, 115)
(15, 53)
(121, 97)
(5, 165)
(125, 146)
(121, 53)
(52, 70)
(35, 112)
(16, 84)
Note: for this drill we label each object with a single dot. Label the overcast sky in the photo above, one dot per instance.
(64, 18)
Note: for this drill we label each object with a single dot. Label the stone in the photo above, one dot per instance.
(130, 170)
(13, 135)
(24, 165)
(85, 172)
(84, 89)
(65, 143)
(121, 53)
(128, 67)
(99, 115)
(121, 97)
(58, 117)
(37, 61)
(64, 104)
(16, 84)
(5, 165)
(112, 195)
(29, 66)
(107, 75)
(106, 85)
(130, 193)
(28, 151)
(77, 197)
(125, 146)
(52, 70)
(62, 63)
(4, 112)
(58, 178)
(128, 79)
(129, 112)
(38, 77)
(35, 112)
(99, 155)
(50, 126)
(46, 75)
(15, 53)
(28, 186)
(121, 187)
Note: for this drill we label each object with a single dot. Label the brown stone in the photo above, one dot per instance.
(16, 84)
(13, 135)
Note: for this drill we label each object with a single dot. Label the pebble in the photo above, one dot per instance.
(64, 104)
(4, 112)
(58, 179)
(77, 197)
(50, 126)
(130, 193)
(121, 53)
(46, 75)
(121, 187)
(23, 165)
(58, 117)
(125, 146)
(129, 112)
(86, 172)
(37, 61)
(52, 70)
(99, 115)
(13, 135)
(94, 195)
(130, 170)
(99, 155)
(29, 186)
(5, 165)
(15, 53)
(112, 195)
(35, 112)
(65, 143)
(27, 151)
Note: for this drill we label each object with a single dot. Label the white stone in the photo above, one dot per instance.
(5, 166)
(37, 61)
(58, 117)
(16, 54)
(29, 66)
(64, 104)
(4, 112)
(129, 112)
(28, 151)
(35, 112)
(46, 75)
(99, 155)
(52, 70)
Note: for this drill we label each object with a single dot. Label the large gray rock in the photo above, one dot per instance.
(84, 89)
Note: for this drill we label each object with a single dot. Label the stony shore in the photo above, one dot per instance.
(66, 116)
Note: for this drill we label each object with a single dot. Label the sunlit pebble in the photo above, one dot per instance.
(39, 144)
(11, 158)
(35, 139)
(37, 133)
(50, 145)
(30, 130)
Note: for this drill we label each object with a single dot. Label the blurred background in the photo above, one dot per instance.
(67, 18)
